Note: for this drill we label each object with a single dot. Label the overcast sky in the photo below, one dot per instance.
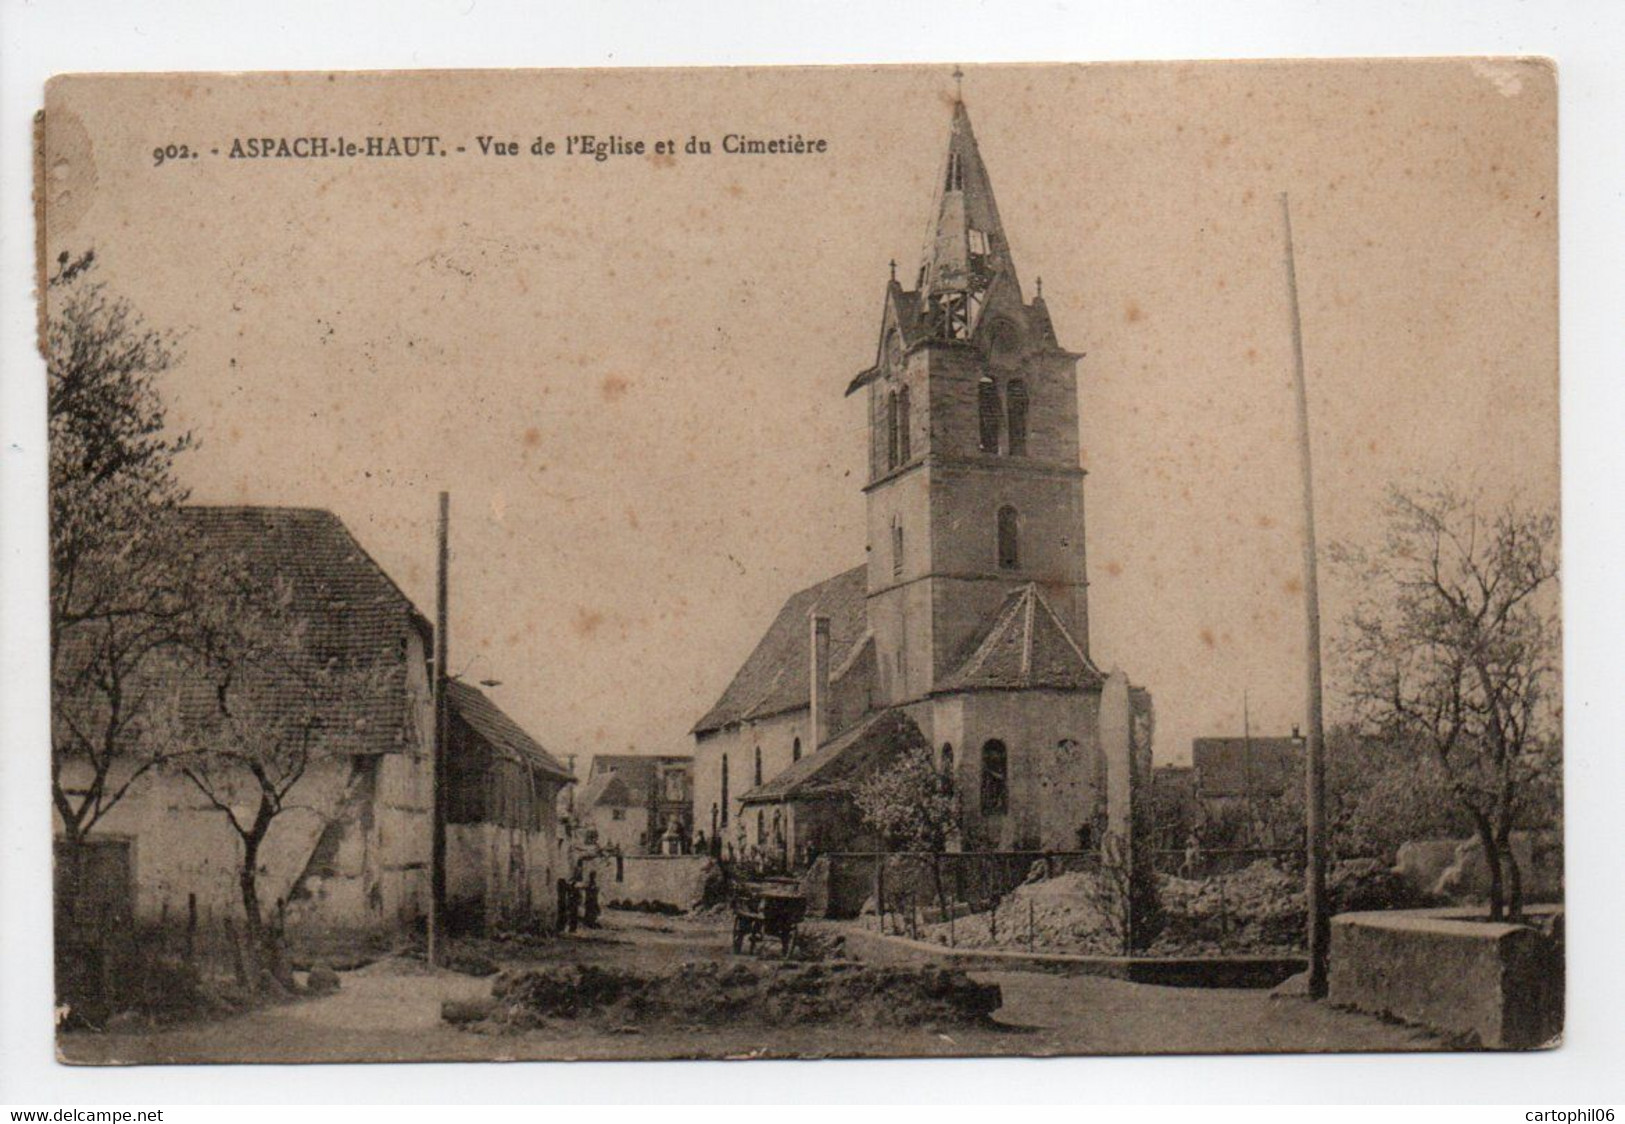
(629, 374)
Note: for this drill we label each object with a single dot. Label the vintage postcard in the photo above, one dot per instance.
(804, 562)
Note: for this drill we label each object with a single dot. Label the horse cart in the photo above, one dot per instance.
(772, 908)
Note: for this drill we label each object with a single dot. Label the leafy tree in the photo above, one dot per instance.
(116, 595)
(911, 804)
(1453, 650)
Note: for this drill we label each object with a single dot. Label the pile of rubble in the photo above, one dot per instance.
(1257, 910)
(1067, 913)
(712, 993)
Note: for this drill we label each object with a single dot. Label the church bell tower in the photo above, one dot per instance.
(975, 488)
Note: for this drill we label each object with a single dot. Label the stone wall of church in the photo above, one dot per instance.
(1054, 779)
(776, 737)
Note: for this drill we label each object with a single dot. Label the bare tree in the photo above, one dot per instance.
(1453, 648)
(117, 595)
(267, 703)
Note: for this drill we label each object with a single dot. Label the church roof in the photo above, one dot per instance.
(776, 677)
(1025, 646)
(843, 763)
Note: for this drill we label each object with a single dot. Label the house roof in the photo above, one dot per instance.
(607, 790)
(350, 608)
(638, 771)
(1024, 646)
(1244, 766)
(776, 676)
(502, 733)
(836, 768)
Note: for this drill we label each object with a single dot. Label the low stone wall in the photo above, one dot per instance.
(1500, 985)
(682, 882)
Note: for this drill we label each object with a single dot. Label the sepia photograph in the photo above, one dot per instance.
(804, 562)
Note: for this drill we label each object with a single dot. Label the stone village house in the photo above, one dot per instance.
(349, 858)
(648, 809)
(968, 622)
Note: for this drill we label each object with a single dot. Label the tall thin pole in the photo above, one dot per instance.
(437, 843)
(1314, 749)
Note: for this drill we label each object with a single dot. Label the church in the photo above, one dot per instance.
(967, 628)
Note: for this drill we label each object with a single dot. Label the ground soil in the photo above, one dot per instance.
(391, 1011)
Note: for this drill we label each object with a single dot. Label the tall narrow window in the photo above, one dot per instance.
(955, 180)
(903, 452)
(724, 790)
(1009, 539)
(896, 547)
(995, 779)
(795, 750)
(758, 764)
(987, 410)
(891, 430)
(1016, 424)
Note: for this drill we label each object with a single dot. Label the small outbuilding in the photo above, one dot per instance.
(502, 839)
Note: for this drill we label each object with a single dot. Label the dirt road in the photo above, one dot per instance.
(391, 1011)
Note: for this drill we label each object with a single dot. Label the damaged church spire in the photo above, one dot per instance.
(966, 253)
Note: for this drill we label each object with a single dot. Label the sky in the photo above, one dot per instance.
(629, 374)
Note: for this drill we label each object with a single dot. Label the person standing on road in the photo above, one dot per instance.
(589, 910)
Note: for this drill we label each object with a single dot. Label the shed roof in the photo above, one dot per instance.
(1244, 766)
(502, 733)
(843, 763)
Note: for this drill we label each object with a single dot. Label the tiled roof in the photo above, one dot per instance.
(1026, 646)
(350, 607)
(608, 790)
(1244, 766)
(639, 771)
(501, 732)
(776, 676)
(842, 763)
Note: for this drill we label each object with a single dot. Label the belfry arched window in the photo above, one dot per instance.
(1009, 538)
(987, 412)
(758, 764)
(795, 750)
(995, 779)
(903, 451)
(891, 430)
(1015, 398)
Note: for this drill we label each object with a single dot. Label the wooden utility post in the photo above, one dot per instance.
(437, 838)
(1315, 744)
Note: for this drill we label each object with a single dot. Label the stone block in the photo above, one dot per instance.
(1498, 985)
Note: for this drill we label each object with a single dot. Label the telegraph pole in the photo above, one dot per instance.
(1315, 746)
(437, 842)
